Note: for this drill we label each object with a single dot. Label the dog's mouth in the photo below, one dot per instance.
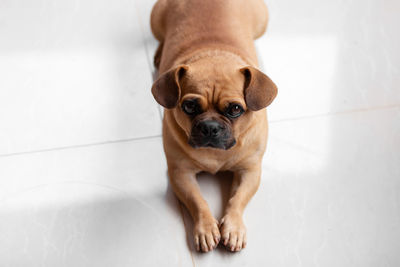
(217, 144)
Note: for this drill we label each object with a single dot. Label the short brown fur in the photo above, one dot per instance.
(207, 52)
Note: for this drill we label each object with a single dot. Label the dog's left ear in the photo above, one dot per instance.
(259, 89)
(166, 89)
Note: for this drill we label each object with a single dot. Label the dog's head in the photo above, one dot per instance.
(214, 105)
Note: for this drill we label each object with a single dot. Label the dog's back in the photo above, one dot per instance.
(193, 23)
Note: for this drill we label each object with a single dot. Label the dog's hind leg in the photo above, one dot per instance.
(260, 18)
(157, 20)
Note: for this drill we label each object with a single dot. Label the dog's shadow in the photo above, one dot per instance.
(216, 190)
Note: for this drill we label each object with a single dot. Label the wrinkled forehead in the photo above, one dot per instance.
(213, 89)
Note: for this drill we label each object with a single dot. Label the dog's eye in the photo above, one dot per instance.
(234, 110)
(190, 107)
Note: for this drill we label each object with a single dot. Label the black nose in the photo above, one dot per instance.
(210, 128)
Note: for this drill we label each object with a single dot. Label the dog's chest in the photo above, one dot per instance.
(215, 163)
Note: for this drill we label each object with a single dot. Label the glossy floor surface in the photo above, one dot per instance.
(82, 172)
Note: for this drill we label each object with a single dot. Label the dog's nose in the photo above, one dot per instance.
(210, 128)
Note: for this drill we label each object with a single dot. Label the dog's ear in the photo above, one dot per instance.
(166, 89)
(259, 90)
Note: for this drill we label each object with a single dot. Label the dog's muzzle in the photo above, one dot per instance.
(211, 133)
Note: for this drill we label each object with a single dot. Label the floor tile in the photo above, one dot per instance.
(329, 196)
(144, 9)
(144, 13)
(331, 56)
(107, 205)
(73, 73)
(78, 75)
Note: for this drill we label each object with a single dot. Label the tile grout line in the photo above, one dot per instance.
(336, 113)
(147, 52)
(144, 40)
(153, 75)
(80, 146)
(105, 142)
(158, 136)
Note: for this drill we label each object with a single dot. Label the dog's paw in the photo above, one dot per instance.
(233, 232)
(206, 234)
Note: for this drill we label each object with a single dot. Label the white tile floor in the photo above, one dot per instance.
(82, 171)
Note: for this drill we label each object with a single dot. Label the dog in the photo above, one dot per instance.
(214, 98)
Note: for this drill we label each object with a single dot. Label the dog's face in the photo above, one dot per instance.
(214, 105)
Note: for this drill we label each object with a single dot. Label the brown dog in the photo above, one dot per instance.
(214, 98)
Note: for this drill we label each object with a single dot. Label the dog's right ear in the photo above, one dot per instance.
(166, 89)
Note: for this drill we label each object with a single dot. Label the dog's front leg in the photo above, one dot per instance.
(206, 231)
(245, 184)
